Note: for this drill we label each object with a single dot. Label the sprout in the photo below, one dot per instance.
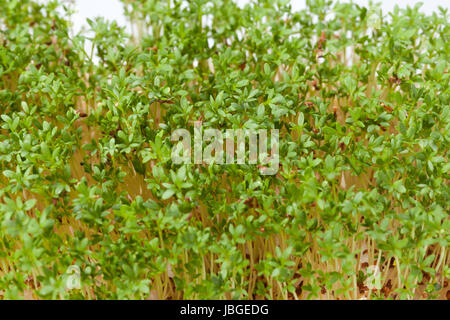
(338, 114)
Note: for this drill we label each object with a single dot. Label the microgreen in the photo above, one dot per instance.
(93, 207)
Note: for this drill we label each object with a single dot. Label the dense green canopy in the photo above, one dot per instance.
(358, 209)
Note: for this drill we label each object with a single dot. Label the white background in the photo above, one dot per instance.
(112, 9)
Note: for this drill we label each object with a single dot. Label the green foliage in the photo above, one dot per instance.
(86, 177)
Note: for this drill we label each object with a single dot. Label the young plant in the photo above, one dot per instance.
(93, 207)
